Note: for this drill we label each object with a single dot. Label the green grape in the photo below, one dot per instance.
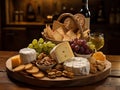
(41, 41)
(30, 45)
(34, 42)
(48, 50)
(44, 46)
(49, 43)
(39, 50)
(41, 46)
(52, 45)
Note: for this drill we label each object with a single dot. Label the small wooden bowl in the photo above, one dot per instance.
(44, 67)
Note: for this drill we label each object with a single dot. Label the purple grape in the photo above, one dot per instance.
(81, 50)
(79, 42)
(85, 46)
(87, 51)
(77, 48)
(83, 41)
(72, 45)
(75, 42)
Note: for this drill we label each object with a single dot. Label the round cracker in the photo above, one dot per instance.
(28, 66)
(19, 68)
(34, 69)
(38, 75)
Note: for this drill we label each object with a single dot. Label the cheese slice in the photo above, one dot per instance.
(62, 52)
(16, 61)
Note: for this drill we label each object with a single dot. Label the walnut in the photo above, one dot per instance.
(93, 68)
(52, 75)
(68, 74)
(58, 73)
(41, 56)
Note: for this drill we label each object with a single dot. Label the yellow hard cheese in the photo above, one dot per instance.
(62, 52)
(16, 61)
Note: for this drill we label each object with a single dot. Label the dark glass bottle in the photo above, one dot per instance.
(30, 13)
(85, 11)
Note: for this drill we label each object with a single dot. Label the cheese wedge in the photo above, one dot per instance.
(16, 61)
(62, 52)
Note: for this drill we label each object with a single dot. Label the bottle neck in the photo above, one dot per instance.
(85, 4)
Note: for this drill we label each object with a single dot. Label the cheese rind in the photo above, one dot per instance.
(62, 52)
(27, 55)
(79, 65)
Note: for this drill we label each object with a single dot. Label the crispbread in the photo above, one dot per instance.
(38, 75)
(19, 68)
(28, 66)
(34, 69)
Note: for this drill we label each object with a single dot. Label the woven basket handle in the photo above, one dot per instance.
(65, 15)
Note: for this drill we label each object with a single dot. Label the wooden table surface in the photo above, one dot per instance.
(112, 82)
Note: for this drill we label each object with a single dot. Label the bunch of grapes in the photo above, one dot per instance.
(41, 45)
(81, 46)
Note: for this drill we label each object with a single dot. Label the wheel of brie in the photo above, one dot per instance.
(78, 65)
(27, 55)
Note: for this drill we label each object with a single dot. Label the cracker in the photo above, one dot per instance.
(19, 68)
(28, 66)
(34, 69)
(38, 75)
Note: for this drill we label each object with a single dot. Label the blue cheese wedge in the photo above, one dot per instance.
(62, 52)
(79, 65)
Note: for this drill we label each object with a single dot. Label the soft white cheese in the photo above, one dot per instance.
(27, 55)
(79, 65)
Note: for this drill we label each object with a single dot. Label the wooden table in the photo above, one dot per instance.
(110, 83)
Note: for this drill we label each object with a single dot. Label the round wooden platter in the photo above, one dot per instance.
(60, 81)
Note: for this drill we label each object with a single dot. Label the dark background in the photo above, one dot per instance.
(14, 36)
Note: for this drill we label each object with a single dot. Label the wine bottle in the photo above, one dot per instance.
(85, 11)
(30, 13)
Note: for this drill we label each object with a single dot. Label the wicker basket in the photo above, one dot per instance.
(62, 18)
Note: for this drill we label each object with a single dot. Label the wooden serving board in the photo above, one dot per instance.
(58, 82)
